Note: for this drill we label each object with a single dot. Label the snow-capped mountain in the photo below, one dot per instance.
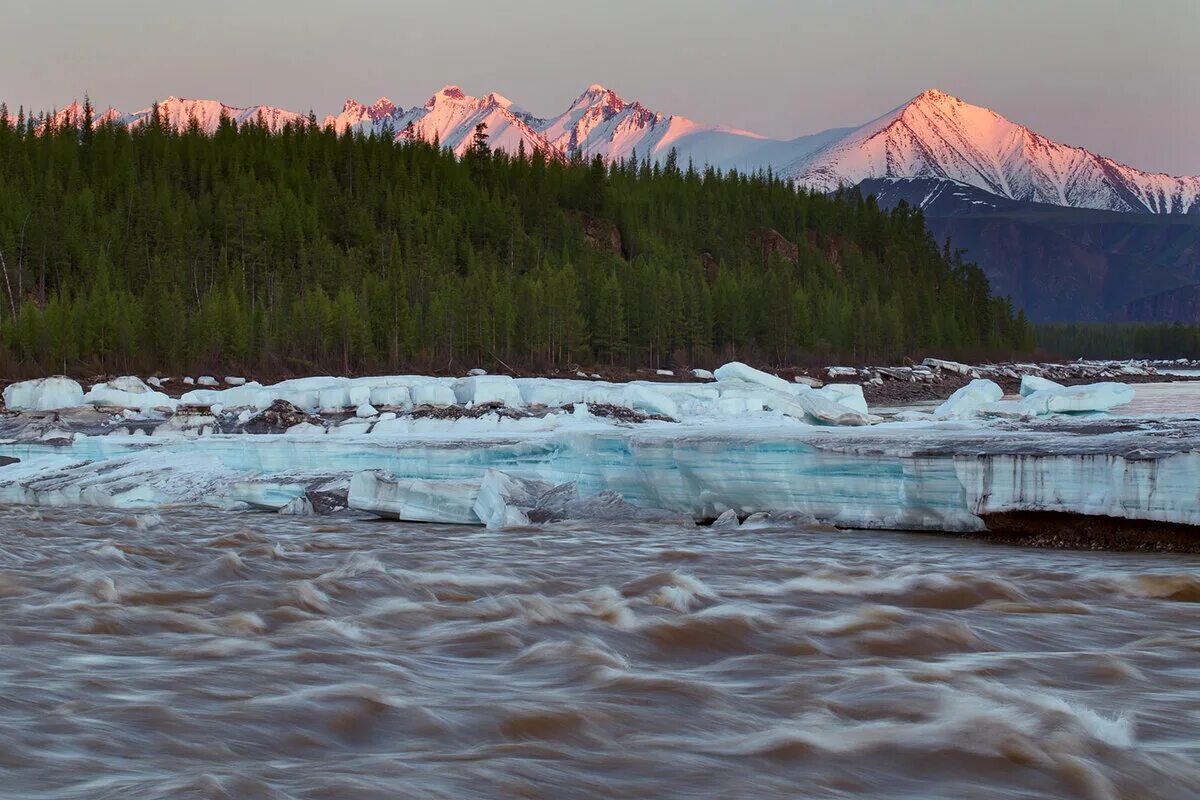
(179, 112)
(372, 119)
(600, 122)
(450, 116)
(73, 115)
(936, 135)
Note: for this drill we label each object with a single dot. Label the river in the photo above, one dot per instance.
(195, 654)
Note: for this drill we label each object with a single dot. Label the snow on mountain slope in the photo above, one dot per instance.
(936, 135)
(72, 115)
(451, 116)
(375, 118)
(179, 112)
(600, 122)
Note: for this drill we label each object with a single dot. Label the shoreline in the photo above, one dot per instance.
(879, 387)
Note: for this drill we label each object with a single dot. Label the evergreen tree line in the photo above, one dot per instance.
(1120, 340)
(306, 250)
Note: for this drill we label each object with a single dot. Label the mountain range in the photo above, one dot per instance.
(998, 189)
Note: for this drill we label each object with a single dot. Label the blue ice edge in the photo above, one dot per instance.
(941, 476)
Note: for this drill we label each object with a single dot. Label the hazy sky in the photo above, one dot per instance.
(1117, 77)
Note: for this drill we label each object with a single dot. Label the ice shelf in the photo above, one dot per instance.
(493, 450)
(940, 475)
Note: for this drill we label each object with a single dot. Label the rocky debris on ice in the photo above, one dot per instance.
(454, 413)
(614, 413)
(280, 416)
(188, 422)
(43, 394)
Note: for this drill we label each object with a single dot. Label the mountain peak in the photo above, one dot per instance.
(497, 99)
(449, 92)
(937, 99)
(936, 95)
(598, 96)
(597, 91)
(937, 135)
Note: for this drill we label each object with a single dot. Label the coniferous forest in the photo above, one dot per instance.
(309, 251)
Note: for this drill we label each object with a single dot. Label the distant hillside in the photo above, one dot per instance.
(1056, 263)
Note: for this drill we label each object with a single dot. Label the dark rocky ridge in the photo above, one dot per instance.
(1062, 264)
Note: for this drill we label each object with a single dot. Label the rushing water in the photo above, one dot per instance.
(243, 656)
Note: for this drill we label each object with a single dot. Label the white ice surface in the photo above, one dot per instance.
(1087, 397)
(43, 394)
(966, 401)
(128, 392)
(935, 475)
(1035, 383)
(740, 445)
(737, 371)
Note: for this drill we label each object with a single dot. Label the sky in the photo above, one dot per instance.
(1119, 78)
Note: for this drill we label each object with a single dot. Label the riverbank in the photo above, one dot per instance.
(932, 379)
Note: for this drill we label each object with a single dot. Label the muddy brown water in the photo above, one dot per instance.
(204, 655)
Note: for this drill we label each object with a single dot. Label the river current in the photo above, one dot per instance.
(207, 655)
